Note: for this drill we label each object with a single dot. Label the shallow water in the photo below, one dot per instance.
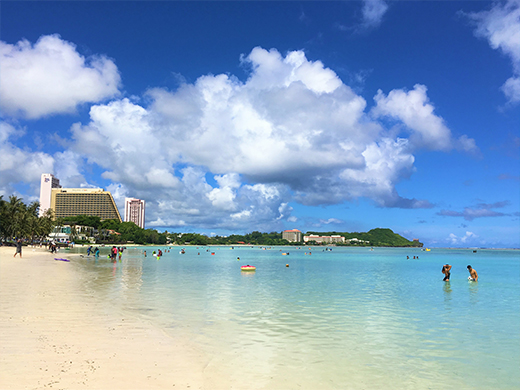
(350, 318)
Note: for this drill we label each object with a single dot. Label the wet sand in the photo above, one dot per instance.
(54, 334)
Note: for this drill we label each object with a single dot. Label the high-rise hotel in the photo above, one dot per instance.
(134, 211)
(69, 202)
(48, 182)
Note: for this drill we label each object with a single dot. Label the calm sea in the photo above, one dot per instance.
(350, 318)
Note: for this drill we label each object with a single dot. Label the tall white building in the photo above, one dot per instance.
(48, 182)
(293, 235)
(134, 211)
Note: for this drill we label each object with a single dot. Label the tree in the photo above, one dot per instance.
(22, 221)
(12, 216)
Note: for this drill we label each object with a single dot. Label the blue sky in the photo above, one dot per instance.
(229, 117)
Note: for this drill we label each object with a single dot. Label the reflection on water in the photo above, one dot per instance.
(131, 277)
(447, 294)
(350, 318)
(473, 289)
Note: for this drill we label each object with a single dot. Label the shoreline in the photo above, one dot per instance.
(283, 246)
(53, 333)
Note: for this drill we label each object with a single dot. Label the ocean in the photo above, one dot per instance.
(346, 318)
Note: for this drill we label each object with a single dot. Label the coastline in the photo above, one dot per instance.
(53, 333)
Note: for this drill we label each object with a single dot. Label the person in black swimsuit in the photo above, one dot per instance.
(446, 271)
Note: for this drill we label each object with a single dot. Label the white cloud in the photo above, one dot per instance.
(18, 165)
(481, 210)
(291, 132)
(464, 240)
(222, 153)
(330, 220)
(387, 162)
(270, 70)
(501, 27)
(414, 109)
(67, 167)
(373, 12)
(121, 139)
(51, 77)
(223, 197)
(511, 89)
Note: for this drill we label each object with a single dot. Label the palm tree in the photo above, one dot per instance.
(45, 224)
(73, 232)
(12, 212)
(3, 217)
(17, 219)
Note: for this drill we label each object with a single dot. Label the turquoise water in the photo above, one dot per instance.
(350, 318)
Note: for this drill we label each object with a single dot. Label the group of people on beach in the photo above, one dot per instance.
(446, 268)
(115, 251)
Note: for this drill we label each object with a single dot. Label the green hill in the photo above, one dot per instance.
(375, 237)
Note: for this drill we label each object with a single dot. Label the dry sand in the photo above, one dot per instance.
(53, 334)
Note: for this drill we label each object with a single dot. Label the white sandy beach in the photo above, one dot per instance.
(54, 335)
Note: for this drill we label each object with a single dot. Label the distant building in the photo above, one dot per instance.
(47, 183)
(134, 211)
(293, 235)
(324, 239)
(357, 241)
(69, 202)
(66, 233)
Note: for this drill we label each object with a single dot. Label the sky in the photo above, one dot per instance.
(231, 117)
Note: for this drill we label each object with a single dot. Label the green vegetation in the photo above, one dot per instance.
(111, 231)
(254, 238)
(18, 220)
(374, 237)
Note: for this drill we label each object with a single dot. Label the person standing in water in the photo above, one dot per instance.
(446, 271)
(473, 276)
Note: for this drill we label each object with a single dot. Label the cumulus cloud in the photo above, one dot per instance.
(51, 77)
(468, 237)
(231, 154)
(414, 110)
(17, 164)
(22, 165)
(256, 206)
(373, 12)
(501, 27)
(479, 211)
(227, 153)
(511, 89)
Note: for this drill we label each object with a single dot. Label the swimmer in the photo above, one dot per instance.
(473, 276)
(446, 271)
